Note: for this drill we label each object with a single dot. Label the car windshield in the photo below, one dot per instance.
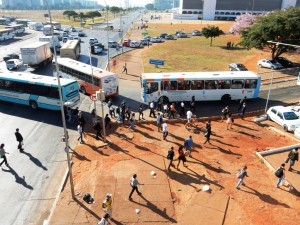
(10, 62)
(290, 116)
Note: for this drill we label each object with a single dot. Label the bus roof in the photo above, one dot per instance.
(34, 78)
(6, 30)
(71, 44)
(84, 68)
(199, 75)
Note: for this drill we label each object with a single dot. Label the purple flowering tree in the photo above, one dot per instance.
(242, 22)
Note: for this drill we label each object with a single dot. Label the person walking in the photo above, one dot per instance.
(182, 109)
(193, 105)
(97, 127)
(81, 121)
(109, 103)
(128, 112)
(152, 112)
(181, 156)
(125, 68)
(107, 121)
(79, 129)
(229, 121)
(112, 111)
(19, 138)
(189, 115)
(172, 111)
(207, 133)
(132, 121)
(243, 110)
(2, 154)
(293, 156)
(141, 112)
(165, 109)
(188, 144)
(107, 204)
(242, 101)
(165, 130)
(134, 184)
(225, 112)
(170, 156)
(104, 220)
(241, 176)
(280, 174)
(70, 114)
(159, 121)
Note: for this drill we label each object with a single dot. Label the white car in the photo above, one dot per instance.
(268, 63)
(93, 41)
(14, 64)
(297, 133)
(285, 117)
(156, 40)
(135, 44)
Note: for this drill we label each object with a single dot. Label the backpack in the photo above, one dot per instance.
(88, 198)
(169, 155)
(279, 172)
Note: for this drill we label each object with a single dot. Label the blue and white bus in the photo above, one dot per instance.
(37, 91)
(205, 86)
(298, 81)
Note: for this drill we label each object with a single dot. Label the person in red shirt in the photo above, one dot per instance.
(181, 156)
(172, 111)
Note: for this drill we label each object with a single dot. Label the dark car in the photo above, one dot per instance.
(81, 34)
(169, 37)
(11, 56)
(284, 62)
(196, 33)
(163, 35)
(237, 67)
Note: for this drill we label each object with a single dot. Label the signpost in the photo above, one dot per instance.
(157, 62)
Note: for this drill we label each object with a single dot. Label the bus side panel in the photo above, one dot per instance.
(48, 103)
(256, 91)
(14, 97)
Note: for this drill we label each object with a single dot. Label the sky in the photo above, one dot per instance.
(122, 2)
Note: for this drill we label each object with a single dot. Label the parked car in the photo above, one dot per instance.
(147, 38)
(163, 35)
(144, 42)
(81, 34)
(65, 39)
(97, 48)
(112, 44)
(75, 37)
(297, 133)
(66, 30)
(12, 64)
(196, 33)
(73, 29)
(237, 67)
(135, 44)
(268, 63)
(126, 42)
(169, 37)
(93, 41)
(285, 117)
(284, 62)
(181, 35)
(11, 56)
(156, 40)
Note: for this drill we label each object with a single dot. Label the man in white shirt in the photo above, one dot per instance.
(134, 184)
(165, 130)
(182, 109)
(104, 220)
(151, 106)
(189, 115)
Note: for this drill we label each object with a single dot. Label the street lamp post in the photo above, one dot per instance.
(66, 136)
(252, 6)
(202, 11)
(90, 49)
(271, 82)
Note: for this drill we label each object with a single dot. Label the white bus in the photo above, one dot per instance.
(23, 21)
(70, 49)
(105, 80)
(204, 86)
(47, 30)
(298, 81)
(18, 29)
(56, 25)
(6, 34)
(35, 26)
(37, 91)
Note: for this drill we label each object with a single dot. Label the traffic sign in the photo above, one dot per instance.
(157, 62)
(93, 97)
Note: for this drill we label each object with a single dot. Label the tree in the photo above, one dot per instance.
(114, 10)
(69, 13)
(149, 7)
(242, 22)
(278, 26)
(93, 14)
(211, 32)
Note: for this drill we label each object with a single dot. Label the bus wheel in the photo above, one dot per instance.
(83, 90)
(33, 104)
(226, 99)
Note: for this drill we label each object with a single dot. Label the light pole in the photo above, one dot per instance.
(271, 82)
(92, 70)
(108, 59)
(252, 6)
(202, 11)
(62, 109)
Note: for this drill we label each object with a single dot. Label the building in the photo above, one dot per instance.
(162, 5)
(230, 9)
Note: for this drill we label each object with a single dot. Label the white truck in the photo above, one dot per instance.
(54, 41)
(36, 54)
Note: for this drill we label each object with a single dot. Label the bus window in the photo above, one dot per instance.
(173, 85)
(151, 87)
(181, 85)
(165, 85)
(224, 84)
(211, 84)
(237, 84)
(187, 85)
(250, 84)
(197, 84)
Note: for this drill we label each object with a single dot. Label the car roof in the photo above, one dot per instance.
(282, 108)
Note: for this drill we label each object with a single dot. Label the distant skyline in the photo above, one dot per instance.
(121, 3)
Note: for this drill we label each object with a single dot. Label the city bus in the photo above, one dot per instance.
(37, 91)
(18, 29)
(6, 34)
(23, 21)
(204, 86)
(70, 49)
(56, 25)
(83, 73)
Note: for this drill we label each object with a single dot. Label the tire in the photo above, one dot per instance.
(163, 99)
(82, 88)
(285, 128)
(269, 118)
(226, 99)
(272, 67)
(260, 66)
(33, 104)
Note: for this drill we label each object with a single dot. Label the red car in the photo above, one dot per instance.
(126, 43)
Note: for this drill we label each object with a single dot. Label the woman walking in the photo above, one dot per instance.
(181, 156)
(229, 121)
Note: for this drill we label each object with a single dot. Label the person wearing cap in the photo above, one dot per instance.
(293, 156)
(104, 220)
(106, 205)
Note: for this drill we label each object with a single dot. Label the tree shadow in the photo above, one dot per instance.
(221, 142)
(18, 180)
(264, 197)
(35, 160)
(156, 210)
(94, 148)
(246, 134)
(226, 151)
(210, 167)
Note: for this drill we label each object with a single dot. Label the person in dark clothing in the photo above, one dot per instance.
(2, 154)
(97, 127)
(193, 105)
(128, 113)
(293, 156)
(208, 126)
(107, 121)
(207, 136)
(81, 120)
(170, 156)
(19, 138)
(134, 184)
(242, 101)
(125, 68)
(243, 110)
(141, 112)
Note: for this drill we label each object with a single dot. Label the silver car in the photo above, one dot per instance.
(268, 63)
(14, 64)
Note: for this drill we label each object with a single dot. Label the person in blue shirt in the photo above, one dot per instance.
(188, 143)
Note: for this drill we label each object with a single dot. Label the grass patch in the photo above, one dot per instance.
(2, 27)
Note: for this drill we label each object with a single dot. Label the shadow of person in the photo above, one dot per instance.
(19, 180)
(35, 160)
(264, 197)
